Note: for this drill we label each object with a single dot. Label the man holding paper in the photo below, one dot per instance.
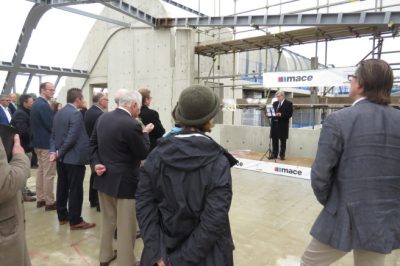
(283, 110)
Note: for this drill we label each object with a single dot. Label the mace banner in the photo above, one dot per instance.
(308, 78)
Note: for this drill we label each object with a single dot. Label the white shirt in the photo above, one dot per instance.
(122, 108)
(7, 113)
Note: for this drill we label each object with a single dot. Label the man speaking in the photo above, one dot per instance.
(280, 125)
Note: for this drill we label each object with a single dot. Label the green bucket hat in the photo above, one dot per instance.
(197, 105)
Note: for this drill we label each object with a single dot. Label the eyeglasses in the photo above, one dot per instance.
(351, 77)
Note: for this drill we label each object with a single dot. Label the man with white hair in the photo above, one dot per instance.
(118, 144)
(280, 125)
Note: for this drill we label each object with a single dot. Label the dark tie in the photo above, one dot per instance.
(279, 105)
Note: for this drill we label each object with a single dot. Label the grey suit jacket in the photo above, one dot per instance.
(13, 249)
(69, 137)
(356, 176)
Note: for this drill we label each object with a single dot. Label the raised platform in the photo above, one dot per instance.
(292, 167)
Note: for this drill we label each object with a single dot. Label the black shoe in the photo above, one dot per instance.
(29, 192)
(108, 262)
(282, 158)
(271, 157)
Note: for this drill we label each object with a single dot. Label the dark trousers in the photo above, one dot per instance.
(93, 196)
(70, 190)
(275, 147)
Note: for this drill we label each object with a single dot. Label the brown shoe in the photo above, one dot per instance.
(51, 207)
(40, 204)
(81, 226)
(29, 198)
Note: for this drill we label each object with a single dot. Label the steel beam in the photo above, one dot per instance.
(94, 16)
(188, 9)
(46, 70)
(28, 82)
(59, 3)
(391, 18)
(131, 11)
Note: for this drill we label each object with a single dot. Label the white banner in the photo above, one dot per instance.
(275, 168)
(308, 78)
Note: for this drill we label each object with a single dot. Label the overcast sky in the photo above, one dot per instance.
(60, 34)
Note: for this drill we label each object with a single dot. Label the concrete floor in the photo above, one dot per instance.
(270, 218)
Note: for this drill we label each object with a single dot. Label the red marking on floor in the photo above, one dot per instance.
(80, 254)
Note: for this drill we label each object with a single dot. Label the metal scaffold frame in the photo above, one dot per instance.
(389, 19)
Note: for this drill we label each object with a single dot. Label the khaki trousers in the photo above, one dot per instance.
(319, 254)
(121, 214)
(45, 177)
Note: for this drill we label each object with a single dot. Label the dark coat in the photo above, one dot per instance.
(21, 121)
(151, 116)
(12, 108)
(91, 116)
(280, 125)
(69, 137)
(356, 177)
(41, 124)
(182, 203)
(118, 143)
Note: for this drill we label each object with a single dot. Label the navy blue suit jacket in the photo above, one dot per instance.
(69, 137)
(118, 142)
(3, 118)
(41, 124)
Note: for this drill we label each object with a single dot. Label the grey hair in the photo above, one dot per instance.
(127, 98)
(97, 97)
(118, 94)
(280, 93)
(4, 96)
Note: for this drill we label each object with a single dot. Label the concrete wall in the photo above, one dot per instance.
(301, 142)
(161, 60)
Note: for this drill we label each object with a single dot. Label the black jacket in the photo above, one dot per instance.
(91, 116)
(150, 116)
(119, 143)
(280, 125)
(183, 199)
(21, 121)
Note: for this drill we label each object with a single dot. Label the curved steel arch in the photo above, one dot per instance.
(32, 20)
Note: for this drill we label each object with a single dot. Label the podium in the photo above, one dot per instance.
(270, 113)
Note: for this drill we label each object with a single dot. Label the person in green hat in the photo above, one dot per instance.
(185, 190)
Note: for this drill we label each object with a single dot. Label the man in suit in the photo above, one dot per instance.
(69, 146)
(118, 144)
(148, 115)
(21, 121)
(13, 176)
(13, 103)
(100, 104)
(356, 174)
(5, 115)
(280, 125)
(41, 125)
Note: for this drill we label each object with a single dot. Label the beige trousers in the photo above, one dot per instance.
(45, 177)
(121, 214)
(319, 254)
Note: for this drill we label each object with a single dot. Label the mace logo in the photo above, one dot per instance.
(294, 78)
(287, 170)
